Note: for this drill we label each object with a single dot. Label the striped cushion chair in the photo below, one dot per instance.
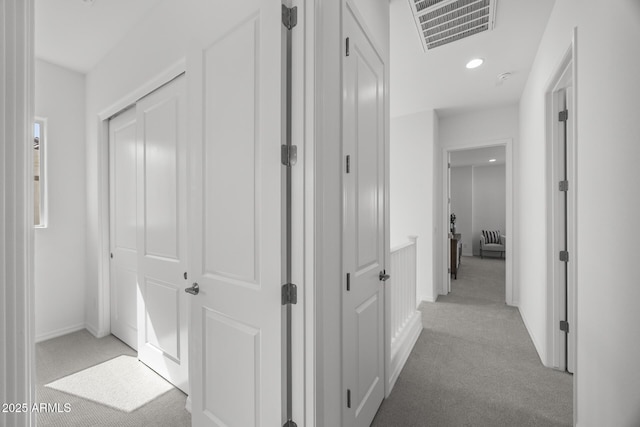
(492, 241)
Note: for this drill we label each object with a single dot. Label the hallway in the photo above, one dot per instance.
(474, 363)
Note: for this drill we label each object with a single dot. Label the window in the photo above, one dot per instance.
(39, 188)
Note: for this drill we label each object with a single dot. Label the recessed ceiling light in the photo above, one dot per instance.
(475, 63)
(492, 160)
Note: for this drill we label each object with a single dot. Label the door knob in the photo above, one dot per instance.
(384, 276)
(193, 290)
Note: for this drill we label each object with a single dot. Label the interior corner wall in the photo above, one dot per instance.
(412, 159)
(462, 205)
(60, 247)
(607, 381)
(489, 201)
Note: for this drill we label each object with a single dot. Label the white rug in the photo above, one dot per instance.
(122, 383)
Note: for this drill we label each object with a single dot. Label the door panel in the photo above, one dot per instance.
(232, 234)
(163, 317)
(240, 351)
(363, 302)
(235, 236)
(123, 262)
(161, 163)
(162, 232)
(368, 314)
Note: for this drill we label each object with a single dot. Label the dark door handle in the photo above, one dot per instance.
(384, 276)
(193, 290)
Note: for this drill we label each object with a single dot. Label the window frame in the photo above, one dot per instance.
(42, 122)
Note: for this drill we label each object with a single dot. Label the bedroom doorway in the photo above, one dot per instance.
(478, 218)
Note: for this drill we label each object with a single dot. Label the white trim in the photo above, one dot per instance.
(162, 78)
(529, 331)
(511, 292)
(564, 76)
(92, 330)
(59, 332)
(561, 79)
(429, 298)
(103, 297)
(44, 199)
(402, 347)
(307, 91)
(17, 303)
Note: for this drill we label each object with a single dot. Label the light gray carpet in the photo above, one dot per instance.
(123, 383)
(75, 352)
(475, 365)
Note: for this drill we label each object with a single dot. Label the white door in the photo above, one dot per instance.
(162, 232)
(235, 216)
(363, 293)
(123, 262)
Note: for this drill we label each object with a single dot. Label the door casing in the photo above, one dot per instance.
(563, 78)
(511, 296)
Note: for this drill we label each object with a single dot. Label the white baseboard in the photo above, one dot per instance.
(429, 298)
(96, 332)
(402, 347)
(187, 406)
(59, 332)
(92, 329)
(541, 354)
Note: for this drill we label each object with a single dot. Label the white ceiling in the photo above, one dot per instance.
(478, 156)
(77, 34)
(438, 78)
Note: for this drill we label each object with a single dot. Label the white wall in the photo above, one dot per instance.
(489, 203)
(465, 128)
(412, 156)
(608, 319)
(60, 247)
(461, 186)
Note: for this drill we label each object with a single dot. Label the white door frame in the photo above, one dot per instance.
(17, 336)
(563, 77)
(511, 297)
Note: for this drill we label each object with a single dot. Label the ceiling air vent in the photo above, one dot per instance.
(441, 22)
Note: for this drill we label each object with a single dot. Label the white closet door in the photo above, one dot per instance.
(363, 294)
(235, 113)
(123, 263)
(162, 232)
